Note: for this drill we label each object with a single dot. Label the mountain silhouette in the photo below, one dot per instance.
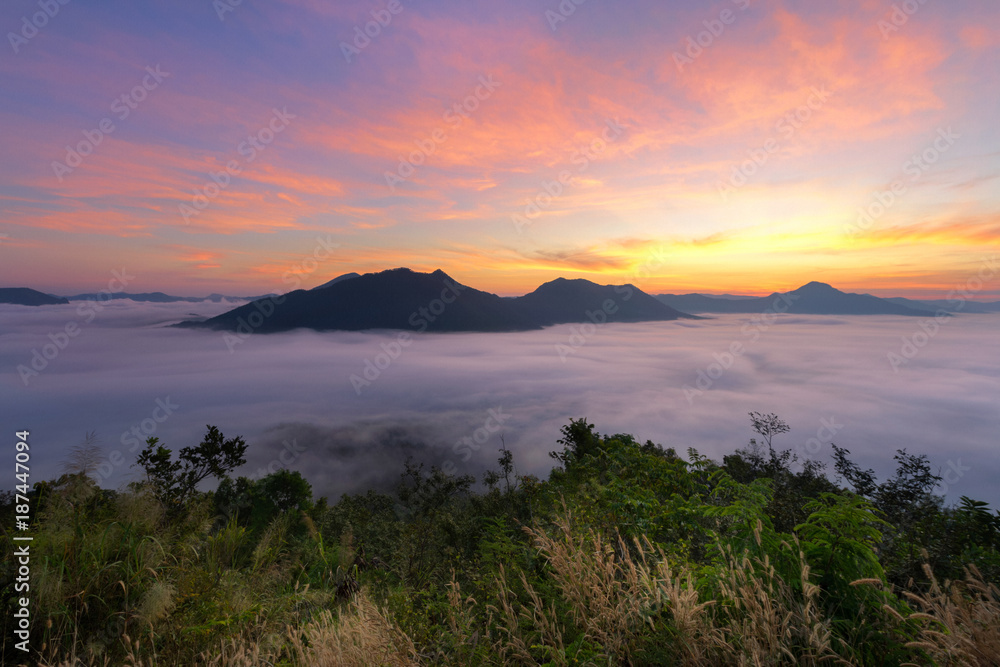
(338, 279)
(393, 299)
(25, 296)
(561, 301)
(953, 306)
(157, 297)
(814, 298)
(409, 300)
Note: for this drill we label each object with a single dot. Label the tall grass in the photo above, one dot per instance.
(626, 604)
(362, 636)
(959, 620)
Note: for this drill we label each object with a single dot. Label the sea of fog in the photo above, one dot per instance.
(871, 384)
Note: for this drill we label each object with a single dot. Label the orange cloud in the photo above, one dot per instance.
(980, 37)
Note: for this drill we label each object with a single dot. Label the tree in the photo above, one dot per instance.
(492, 478)
(175, 481)
(579, 441)
(285, 490)
(435, 524)
(905, 496)
(768, 426)
(256, 503)
(863, 481)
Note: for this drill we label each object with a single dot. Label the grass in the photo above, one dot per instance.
(959, 620)
(600, 601)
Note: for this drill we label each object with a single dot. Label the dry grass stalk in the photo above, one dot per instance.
(611, 593)
(362, 635)
(960, 621)
(512, 648)
(603, 591)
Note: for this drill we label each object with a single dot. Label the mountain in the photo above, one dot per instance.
(338, 279)
(966, 306)
(561, 301)
(158, 297)
(813, 298)
(393, 299)
(821, 299)
(704, 303)
(408, 300)
(733, 297)
(24, 296)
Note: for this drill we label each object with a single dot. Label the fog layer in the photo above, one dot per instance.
(346, 409)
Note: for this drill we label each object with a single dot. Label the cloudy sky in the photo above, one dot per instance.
(214, 146)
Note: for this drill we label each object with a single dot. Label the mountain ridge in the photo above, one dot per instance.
(25, 296)
(391, 299)
(159, 297)
(562, 300)
(408, 300)
(813, 298)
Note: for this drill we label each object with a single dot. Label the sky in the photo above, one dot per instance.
(740, 146)
(450, 398)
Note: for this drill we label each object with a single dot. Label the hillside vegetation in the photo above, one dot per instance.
(627, 554)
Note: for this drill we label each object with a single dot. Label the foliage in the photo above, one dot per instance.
(173, 482)
(627, 554)
(255, 504)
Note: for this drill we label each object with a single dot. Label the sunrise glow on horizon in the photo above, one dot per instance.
(739, 146)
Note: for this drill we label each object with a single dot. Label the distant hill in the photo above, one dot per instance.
(704, 303)
(408, 300)
(158, 297)
(24, 296)
(976, 307)
(813, 298)
(561, 301)
(734, 297)
(338, 279)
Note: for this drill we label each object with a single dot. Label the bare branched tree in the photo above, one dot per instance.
(768, 426)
